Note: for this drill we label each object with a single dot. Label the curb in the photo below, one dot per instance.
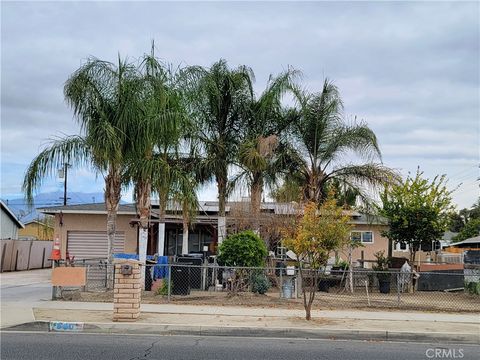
(324, 334)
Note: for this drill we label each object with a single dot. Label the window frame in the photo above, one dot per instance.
(397, 247)
(361, 232)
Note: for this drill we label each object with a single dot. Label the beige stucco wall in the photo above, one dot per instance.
(420, 256)
(88, 222)
(379, 243)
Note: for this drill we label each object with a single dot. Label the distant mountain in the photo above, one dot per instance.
(25, 214)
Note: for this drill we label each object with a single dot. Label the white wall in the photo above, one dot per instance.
(8, 227)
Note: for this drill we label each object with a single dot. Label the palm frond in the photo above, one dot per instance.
(72, 150)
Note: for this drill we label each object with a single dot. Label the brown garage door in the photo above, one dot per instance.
(93, 244)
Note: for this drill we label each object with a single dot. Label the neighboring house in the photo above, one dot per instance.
(461, 246)
(427, 253)
(447, 238)
(81, 230)
(9, 223)
(37, 230)
(368, 231)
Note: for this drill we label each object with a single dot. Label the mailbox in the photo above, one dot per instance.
(126, 269)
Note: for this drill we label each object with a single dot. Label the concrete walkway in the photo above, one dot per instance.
(25, 299)
(20, 291)
(272, 312)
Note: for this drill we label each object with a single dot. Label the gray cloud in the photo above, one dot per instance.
(409, 69)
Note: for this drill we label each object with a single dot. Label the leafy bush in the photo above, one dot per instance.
(382, 265)
(471, 229)
(242, 249)
(260, 283)
(382, 261)
(163, 290)
(473, 288)
(342, 264)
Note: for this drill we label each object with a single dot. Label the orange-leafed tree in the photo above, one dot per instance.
(317, 233)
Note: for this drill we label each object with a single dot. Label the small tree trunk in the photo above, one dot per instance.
(412, 256)
(308, 312)
(308, 290)
(350, 269)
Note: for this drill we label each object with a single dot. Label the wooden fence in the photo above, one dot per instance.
(18, 255)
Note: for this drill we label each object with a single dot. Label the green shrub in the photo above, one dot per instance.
(242, 249)
(473, 288)
(344, 265)
(163, 290)
(382, 261)
(260, 283)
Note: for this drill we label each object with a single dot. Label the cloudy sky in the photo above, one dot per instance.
(410, 69)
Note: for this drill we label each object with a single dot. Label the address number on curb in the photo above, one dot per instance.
(65, 326)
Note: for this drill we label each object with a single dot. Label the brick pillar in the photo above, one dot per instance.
(127, 292)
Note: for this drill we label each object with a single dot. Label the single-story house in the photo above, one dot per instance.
(36, 230)
(9, 223)
(461, 246)
(81, 230)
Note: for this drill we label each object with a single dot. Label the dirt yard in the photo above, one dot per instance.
(421, 301)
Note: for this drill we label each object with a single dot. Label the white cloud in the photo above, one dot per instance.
(409, 69)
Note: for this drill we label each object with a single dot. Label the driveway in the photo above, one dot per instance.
(20, 291)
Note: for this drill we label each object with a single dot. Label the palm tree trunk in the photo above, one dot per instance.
(312, 188)
(112, 199)
(222, 195)
(161, 225)
(256, 200)
(143, 207)
(185, 235)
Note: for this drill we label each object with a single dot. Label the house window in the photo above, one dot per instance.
(401, 247)
(362, 236)
(356, 236)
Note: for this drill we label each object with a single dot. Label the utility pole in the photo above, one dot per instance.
(64, 173)
(65, 185)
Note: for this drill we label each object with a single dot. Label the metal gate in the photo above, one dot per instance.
(93, 244)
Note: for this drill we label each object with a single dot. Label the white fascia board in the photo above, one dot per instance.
(84, 212)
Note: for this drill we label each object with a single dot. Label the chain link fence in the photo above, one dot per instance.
(452, 291)
(99, 274)
(362, 288)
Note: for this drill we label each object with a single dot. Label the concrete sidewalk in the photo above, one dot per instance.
(268, 322)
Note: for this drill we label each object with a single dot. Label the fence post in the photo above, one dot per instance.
(281, 282)
(87, 270)
(398, 288)
(169, 291)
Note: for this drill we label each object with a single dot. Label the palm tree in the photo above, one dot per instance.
(217, 99)
(263, 149)
(103, 98)
(185, 196)
(325, 142)
(156, 136)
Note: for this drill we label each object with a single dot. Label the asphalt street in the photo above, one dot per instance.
(129, 347)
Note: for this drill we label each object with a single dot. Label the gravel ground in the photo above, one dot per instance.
(422, 301)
